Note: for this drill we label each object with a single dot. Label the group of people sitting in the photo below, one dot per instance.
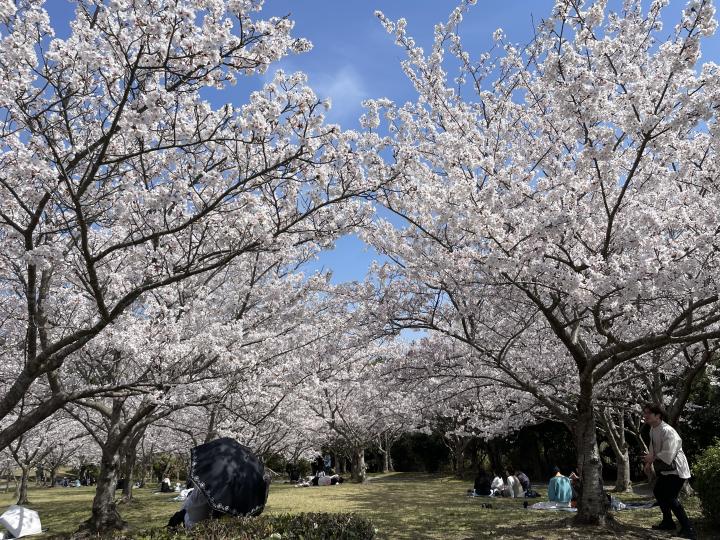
(322, 473)
(321, 479)
(562, 490)
(502, 485)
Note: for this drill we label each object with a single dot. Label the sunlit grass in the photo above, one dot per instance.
(63, 509)
(401, 505)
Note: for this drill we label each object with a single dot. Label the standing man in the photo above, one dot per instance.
(671, 469)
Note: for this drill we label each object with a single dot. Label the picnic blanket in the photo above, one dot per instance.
(635, 505)
(615, 504)
(552, 505)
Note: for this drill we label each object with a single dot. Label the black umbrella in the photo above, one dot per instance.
(230, 476)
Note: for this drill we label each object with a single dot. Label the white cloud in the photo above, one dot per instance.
(346, 91)
(344, 88)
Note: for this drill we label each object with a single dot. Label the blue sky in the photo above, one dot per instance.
(353, 59)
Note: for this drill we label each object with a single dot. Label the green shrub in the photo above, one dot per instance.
(707, 481)
(281, 527)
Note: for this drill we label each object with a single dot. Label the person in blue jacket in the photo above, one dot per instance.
(559, 488)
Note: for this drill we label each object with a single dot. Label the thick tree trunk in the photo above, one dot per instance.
(105, 516)
(592, 503)
(22, 498)
(358, 465)
(53, 476)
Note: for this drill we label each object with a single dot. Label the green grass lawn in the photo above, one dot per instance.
(401, 505)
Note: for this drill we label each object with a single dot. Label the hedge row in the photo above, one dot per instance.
(706, 472)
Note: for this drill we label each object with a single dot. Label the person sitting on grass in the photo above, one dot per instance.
(514, 488)
(327, 480)
(195, 508)
(524, 480)
(559, 488)
(165, 486)
(496, 486)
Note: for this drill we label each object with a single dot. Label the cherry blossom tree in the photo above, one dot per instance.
(212, 357)
(34, 447)
(72, 442)
(576, 177)
(118, 179)
(462, 396)
(351, 389)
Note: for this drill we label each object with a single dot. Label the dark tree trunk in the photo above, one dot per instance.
(212, 433)
(128, 475)
(358, 465)
(592, 503)
(105, 516)
(166, 470)
(22, 498)
(495, 455)
(53, 476)
(129, 453)
(385, 462)
(458, 451)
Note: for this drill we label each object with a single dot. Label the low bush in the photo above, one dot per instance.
(308, 526)
(707, 481)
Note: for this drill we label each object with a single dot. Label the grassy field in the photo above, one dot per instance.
(402, 506)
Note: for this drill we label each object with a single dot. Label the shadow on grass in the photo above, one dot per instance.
(402, 506)
(62, 510)
(416, 506)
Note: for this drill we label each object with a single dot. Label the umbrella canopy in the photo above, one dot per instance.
(21, 521)
(230, 476)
